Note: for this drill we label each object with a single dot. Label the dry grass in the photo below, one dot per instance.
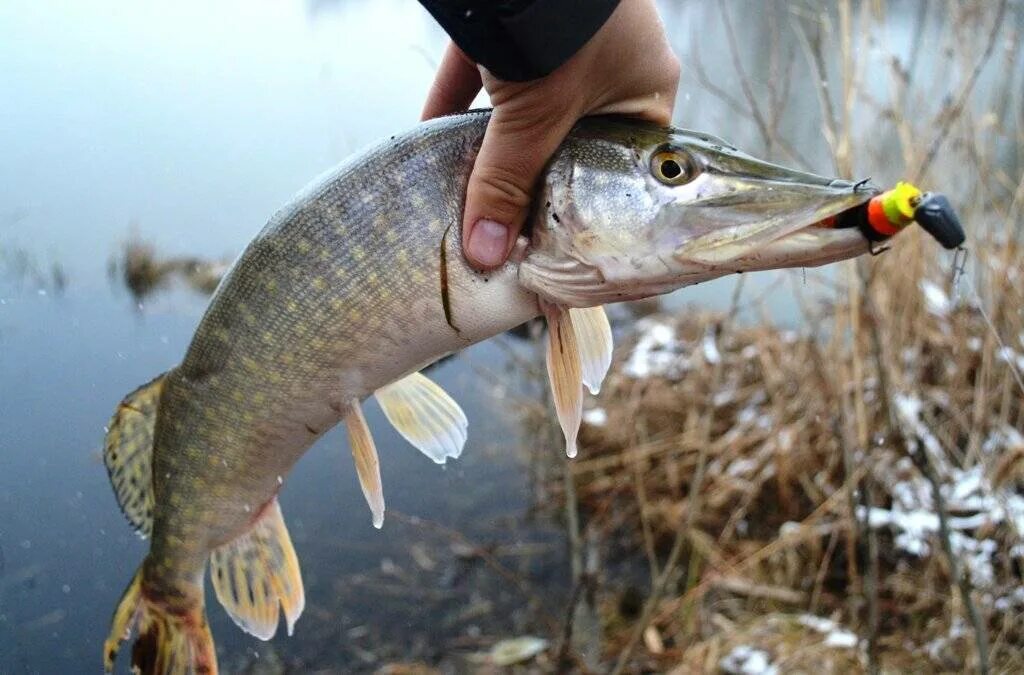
(777, 526)
(868, 469)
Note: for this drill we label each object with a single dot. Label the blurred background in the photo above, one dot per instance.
(806, 470)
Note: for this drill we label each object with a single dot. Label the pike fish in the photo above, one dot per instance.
(359, 283)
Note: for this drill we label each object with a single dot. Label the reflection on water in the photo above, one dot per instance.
(21, 269)
(195, 121)
(67, 550)
(144, 271)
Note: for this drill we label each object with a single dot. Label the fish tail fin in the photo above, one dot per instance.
(171, 641)
(128, 453)
(256, 576)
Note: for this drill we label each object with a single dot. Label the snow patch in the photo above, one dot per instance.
(817, 623)
(657, 351)
(968, 494)
(1013, 600)
(723, 397)
(746, 660)
(710, 348)
(841, 638)
(595, 417)
(742, 467)
(935, 299)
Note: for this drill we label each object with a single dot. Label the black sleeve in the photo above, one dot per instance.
(520, 40)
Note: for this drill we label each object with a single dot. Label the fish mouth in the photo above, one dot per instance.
(784, 224)
(815, 234)
(819, 238)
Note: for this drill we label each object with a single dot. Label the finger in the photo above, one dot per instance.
(519, 140)
(456, 84)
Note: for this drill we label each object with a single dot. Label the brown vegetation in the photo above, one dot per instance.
(849, 497)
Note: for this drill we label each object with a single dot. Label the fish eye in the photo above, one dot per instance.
(672, 167)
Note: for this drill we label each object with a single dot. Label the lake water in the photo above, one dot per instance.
(189, 123)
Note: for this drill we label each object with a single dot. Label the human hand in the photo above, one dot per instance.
(627, 67)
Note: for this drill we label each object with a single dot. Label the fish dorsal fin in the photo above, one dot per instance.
(594, 341)
(564, 373)
(257, 573)
(128, 453)
(364, 453)
(425, 415)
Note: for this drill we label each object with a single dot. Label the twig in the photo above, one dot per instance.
(748, 92)
(641, 491)
(871, 577)
(995, 334)
(923, 464)
(817, 62)
(583, 579)
(565, 641)
(681, 536)
(961, 102)
(572, 521)
(819, 578)
(920, 24)
(684, 532)
(736, 567)
(725, 97)
(652, 602)
(919, 456)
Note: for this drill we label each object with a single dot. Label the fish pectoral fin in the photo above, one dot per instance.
(364, 453)
(128, 453)
(258, 572)
(425, 415)
(564, 372)
(594, 341)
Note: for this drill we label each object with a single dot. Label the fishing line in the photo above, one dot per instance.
(976, 298)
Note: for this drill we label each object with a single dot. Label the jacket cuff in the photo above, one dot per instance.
(519, 41)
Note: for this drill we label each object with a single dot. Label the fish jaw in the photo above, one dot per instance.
(608, 229)
(573, 282)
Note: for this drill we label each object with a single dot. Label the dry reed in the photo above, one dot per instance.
(849, 497)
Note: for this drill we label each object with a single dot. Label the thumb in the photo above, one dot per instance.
(519, 141)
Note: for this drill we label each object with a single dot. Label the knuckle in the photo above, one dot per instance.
(525, 117)
(673, 69)
(667, 86)
(502, 189)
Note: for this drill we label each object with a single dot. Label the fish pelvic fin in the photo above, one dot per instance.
(425, 415)
(128, 453)
(364, 453)
(565, 372)
(169, 642)
(594, 340)
(257, 575)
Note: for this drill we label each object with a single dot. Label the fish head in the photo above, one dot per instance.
(629, 210)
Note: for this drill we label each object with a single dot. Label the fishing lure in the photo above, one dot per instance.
(888, 213)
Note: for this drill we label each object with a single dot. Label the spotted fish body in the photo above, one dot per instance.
(336, 297)
(359, 283)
